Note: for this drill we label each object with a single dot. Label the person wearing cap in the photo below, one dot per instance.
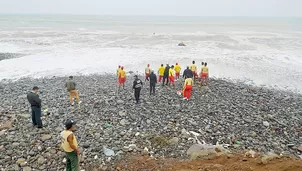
(161, 71)
(71, 88)
(172, 76)
(70, 146)
(137, 86)
(35, 103)
(153, 81)
(166, 75)
(177, 69)
(122, 78)
(147, 72)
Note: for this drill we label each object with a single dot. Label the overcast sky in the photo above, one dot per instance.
(156, 7)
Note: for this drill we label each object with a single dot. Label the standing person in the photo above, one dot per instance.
(161, 71)
(137, 86)
(70, 146)
(35, 103)
(122, 78)
(166, 75)
(205, 74)
(172, 76)
(187, 73)
(193, 68)
(118, 70)
(153, 81)
(187, 89)
(71, 87)
(147, 72)
(177, 69)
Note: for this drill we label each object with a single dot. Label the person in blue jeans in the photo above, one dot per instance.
(35, 103)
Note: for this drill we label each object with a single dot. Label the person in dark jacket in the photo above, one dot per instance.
(187, 73)
(137, 86)
(153, 81)
(35, 103)
(166, 75)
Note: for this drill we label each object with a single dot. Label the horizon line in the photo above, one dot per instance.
(146, 15)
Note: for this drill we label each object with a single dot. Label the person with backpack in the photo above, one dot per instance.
(137, 86)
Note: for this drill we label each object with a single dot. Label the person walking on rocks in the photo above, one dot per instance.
(118, 70)
(35, 103)
(187, 73)
(147, 72)
(70, 146)
(187, 89)
(161, 71)
(205, 74)
(177, 69)
(193, 68)
(71, 88)
(137, 86)
(153, 81)
(166, 75)
(122, 78)
(172, 76)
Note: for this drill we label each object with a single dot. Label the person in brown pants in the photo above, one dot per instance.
(71, 87)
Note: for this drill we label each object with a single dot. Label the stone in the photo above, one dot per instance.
(174, 140)
(253, 134)
(86, 145)
(6, 125)
(20, 160)
(265, 123)
(122, 113)
(108, 152)
(46, 137)
(41, 160)
(2, 133)
(268, 157)
(205, 151)
(26, 169)
(123, 122)
(300, 148)
(120, 102)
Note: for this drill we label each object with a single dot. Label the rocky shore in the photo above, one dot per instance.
(235, 115)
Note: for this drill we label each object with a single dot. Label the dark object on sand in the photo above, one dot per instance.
(181, 44)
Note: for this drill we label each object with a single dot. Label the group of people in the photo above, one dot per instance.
(168, 75)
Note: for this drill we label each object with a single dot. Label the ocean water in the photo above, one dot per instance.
(261, 51)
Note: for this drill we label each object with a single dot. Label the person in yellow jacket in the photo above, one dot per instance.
(177, 69)
(187, 89)
(205, 74)
(122, 78)
(161, 71)
(70, 146)
(118, 70)
(193, 68)
(172, 76)
(147, 72)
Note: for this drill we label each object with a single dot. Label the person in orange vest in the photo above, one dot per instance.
(187, 89)
(147, 72)
(193, 68)
(177, 69)
(161, 71)
(205, 74)
(172, 76)
(122, 78)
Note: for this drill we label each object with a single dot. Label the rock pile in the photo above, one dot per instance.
(110, 125)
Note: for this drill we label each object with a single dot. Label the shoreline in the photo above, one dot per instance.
(225, 112)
